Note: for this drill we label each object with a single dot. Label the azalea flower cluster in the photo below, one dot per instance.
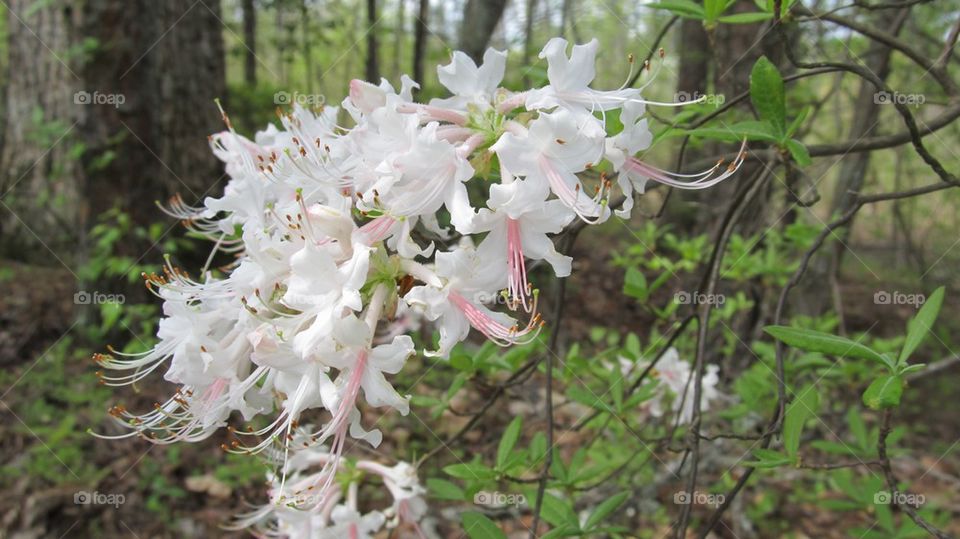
(674, 385)
(345, 237)
(298, 507)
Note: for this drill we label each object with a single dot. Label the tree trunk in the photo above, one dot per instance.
(307, 47)
(281, 41)
(564, 17)
(528, 42)
(39, 177)
(373, 64)
(694, 53)
(866, 113)
(480, 18)
(734, 48)
(398, 35)
(420, 40)
(166, 59)
(853, 168)
(250, 40)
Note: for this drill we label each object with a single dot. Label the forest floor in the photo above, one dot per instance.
(50, 399)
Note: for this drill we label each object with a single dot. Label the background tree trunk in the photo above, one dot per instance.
(250, 40)
(528, 42)
(398, 35)
(852, 172)
(480, 18)
(866, 114)
(373, 64)
(693, 50)
(420, 40)
(39, 177)
(167, 60)
(307, 47)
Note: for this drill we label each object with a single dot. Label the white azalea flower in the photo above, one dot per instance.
(675, 380)
(551, 153)
(469, 84)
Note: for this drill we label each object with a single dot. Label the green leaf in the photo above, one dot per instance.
(766, 93)
(632, 345)
(616, 390)
(509, 439)
(604, 509)
(912, 368)
(562, 531)
(817, 341)
(798, 121)
(798, 412)
(558, 512)
(470, 471)
(478, 526)
(799, 152)
(635, 284)
(589, 398)
(713, 8)
(683, 8)
(445, 490)
(884, 392)
(857, 427)
(538, 448)
(768, 458)
(920, 325)
(746, 18)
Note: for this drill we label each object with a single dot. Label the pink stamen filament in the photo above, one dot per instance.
(518, 286)
(434, 113)
(570, 196)
(338, 425)
(498, 333)
(378, 229)
(701, 180)
(470, 145)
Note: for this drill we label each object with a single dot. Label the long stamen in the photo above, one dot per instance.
(702, 180)
(497, 332)
(518, 287)
(571, 197)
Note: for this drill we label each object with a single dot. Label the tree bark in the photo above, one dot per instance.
(853, 168)
(420, 40)
(39, 177)
(307, 47)
(167, 60)
(398, 34)
(373, 64)
(528, 43)
(866, 113)
(480, 18)
(734, 48)
(694, 53)
(250, 40)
